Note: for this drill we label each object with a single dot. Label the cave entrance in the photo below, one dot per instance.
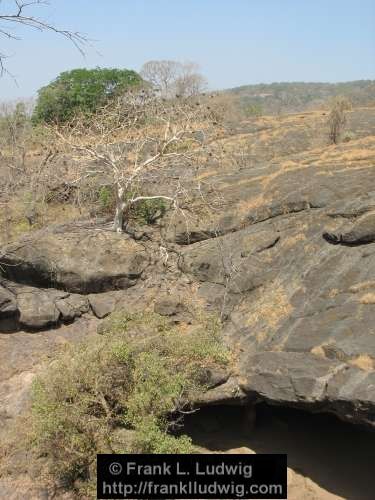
(327, 458)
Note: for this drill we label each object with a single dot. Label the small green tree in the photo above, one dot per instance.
(81, 90)
(337, 117)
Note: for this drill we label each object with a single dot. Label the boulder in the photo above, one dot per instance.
(77, 260)
(38, 307)
(72, 306)
(102, 304)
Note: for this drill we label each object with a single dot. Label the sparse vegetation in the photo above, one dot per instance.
(125, 391)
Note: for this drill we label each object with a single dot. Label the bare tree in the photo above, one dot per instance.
(190, 82)
(20, 13)
(15, 132)
(161, 75)
(337, 117)
(141, 145)
(173, 78)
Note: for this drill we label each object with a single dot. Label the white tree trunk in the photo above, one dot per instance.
(119, 214)
(119, 219)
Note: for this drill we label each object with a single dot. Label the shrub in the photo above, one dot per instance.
(337, 117)
(106, 199)
(81, 91)
(148, 211)
(136, 377)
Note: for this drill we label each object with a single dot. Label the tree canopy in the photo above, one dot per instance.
(81, 90)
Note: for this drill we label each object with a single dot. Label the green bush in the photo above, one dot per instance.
(148, 211)
(81, 91)
(106, 199)
(133, 379)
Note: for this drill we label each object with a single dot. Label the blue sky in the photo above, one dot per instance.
(235, 41)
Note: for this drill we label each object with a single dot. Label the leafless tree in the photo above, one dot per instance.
(337, 117)
(138, 144)
(15, 131)
(15, 13)
(173, 78)
(190, 82)
(161, 75)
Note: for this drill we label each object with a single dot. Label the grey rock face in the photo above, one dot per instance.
(299, 310)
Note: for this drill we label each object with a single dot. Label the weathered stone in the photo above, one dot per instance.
(38, 307)
(73, 306)
(102, 304)
(80, 260)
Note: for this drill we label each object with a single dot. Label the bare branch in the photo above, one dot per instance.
(20, 16)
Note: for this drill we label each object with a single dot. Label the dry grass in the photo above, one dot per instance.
(318, 351)
(359, 287)
(364, 362)
(368, 298)
(244, 206)
(14, 222)
(270, 309)
(291, 241)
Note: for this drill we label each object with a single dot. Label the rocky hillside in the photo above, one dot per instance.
(285, 256)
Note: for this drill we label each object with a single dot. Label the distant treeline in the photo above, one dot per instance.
(300, 96)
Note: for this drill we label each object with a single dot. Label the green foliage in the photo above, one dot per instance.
(106, 198)
(147, 211)
(134, 378)
(81, 91)
(151, 439)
